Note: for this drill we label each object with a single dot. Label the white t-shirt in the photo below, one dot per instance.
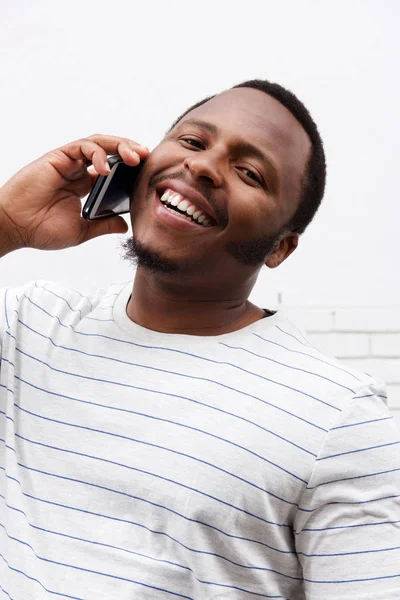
(141, 465)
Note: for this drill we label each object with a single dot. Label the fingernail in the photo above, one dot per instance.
(107, 167)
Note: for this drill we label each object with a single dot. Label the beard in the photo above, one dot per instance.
(250, 254)
(140, 256)
(255, 253)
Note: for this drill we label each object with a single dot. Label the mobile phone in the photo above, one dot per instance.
(110, 195)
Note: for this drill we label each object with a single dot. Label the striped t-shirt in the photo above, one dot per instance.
(141, 465)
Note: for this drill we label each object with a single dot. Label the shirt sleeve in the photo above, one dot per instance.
(347, 527)
(9, 299)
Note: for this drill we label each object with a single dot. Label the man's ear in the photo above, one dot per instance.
(284, 248)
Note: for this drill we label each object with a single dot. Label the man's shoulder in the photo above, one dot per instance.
(303, 366)
(41, 297)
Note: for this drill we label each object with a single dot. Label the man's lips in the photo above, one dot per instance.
(189, 193)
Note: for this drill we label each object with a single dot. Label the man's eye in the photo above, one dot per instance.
(194, 143)
(251, 175)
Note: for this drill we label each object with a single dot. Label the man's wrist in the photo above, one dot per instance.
(10, 239)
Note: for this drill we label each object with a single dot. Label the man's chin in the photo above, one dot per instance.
(148, 259)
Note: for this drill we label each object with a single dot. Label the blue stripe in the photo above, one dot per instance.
(234, 587)
(311, 510)
(74, 290)
(6, 388)
(102, 544)
(352, 580)
(7, 594)
(169, 372)
(330, 364)
(359, 450)
(136, 469)
(128, 551)
(311, 529)
(350, 553)
(293, 336)
(68, 348)
(288, 366)
(102, 487)
(301, 334)
(141, 414)
(369, 396)
(143, 527)
(355, 477)
(41, 287)
(77, 310)
(138, 498)
(361, 423)
(49, 314)
(119, 520)
(37, 581)
(158, 348)
(177, 452)
(91, 571)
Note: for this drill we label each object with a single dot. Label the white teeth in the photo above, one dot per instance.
(174, 199)
(183, 205)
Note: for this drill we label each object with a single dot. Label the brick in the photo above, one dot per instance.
(368, 319)
(341, 345)
(311, 319)
(387, 370)
(385, 344)
(393, 393)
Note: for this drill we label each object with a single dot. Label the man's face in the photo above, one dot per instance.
(239, 160)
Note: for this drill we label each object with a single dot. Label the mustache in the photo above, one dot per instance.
(203, 189)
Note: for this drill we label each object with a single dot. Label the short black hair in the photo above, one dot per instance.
(314, 177)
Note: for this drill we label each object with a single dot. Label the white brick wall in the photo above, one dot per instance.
(367, 339)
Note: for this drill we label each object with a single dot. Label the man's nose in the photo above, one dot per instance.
(204, 164)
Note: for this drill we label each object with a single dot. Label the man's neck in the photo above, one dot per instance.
(182, 309)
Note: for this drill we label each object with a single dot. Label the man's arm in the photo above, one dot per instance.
(348, 524)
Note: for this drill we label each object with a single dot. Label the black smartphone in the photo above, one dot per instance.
(110, 195)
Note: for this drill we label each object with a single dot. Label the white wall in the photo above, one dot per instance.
(68, 69)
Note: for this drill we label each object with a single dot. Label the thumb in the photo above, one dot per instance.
(104, 226)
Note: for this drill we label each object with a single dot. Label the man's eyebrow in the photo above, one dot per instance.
(240, 146)
(203, 124)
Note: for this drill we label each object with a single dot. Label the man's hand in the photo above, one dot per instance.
(40, 205)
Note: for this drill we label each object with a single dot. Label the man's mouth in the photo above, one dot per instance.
(174, 201)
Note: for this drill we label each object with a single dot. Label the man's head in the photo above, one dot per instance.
(313, 184)
(252, 160)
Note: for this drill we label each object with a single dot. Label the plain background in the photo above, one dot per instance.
(69, 69)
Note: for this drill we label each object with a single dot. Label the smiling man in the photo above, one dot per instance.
(170, 438)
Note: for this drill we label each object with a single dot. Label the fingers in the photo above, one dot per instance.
(104, 226)
(82, 186)
(96, 147)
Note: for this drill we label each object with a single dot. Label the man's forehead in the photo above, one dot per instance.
(246, 111)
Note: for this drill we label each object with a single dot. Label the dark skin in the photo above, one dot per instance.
(252, 192)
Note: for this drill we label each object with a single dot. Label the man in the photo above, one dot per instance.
(172, 439)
